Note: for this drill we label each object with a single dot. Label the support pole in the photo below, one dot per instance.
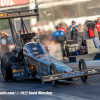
(12, 32)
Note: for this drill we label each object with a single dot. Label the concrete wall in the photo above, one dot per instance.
(91, 47)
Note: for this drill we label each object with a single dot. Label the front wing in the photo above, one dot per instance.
(63, 76)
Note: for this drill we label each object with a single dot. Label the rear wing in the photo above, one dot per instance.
(23, 13)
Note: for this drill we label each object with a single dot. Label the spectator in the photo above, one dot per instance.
(80, 28)
(26, 31)
(63, 28)
(21, 32)
(85, 31)
(3, 41)
(59, 36)
(40, 32)
(98, 27)
(67, 30)
(73, 30)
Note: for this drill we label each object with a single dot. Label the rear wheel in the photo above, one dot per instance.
(6, 63)
(52, 72)
(82, 66)
(7, 72)
(2, 67)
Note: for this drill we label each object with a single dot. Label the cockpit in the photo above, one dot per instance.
(36, 49)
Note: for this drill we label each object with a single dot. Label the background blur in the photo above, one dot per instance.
(52, 12)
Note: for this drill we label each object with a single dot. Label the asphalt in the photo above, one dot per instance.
(64, 91)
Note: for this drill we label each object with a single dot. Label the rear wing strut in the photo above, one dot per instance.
(23, 13)
(70, 75)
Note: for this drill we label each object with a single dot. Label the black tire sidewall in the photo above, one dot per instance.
(52, 66)
(6, 65)
(2, 67)
(8, 72)
(82, 62)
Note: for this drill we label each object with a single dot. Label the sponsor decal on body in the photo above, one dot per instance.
(72, 74)
(16, 74)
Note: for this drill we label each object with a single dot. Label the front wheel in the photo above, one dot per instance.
(52, 72)
(82, 66)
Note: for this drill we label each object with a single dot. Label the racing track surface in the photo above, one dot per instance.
(64, 91)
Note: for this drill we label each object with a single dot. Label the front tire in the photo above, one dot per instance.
(52, 72)
(82, 66)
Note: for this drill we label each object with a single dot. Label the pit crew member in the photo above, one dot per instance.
(59, 36)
